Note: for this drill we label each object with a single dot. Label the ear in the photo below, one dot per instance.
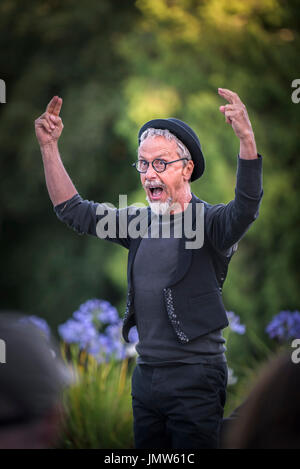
(188, 169)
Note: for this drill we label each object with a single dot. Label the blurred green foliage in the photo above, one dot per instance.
(116, 65)
(97, 407)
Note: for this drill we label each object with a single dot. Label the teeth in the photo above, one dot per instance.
(154, 190)
(153, 185)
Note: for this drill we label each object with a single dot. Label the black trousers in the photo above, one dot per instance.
(178, 406)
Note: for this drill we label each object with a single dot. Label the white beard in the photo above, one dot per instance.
(160, 208)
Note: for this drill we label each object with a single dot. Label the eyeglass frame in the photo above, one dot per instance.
(156, 159)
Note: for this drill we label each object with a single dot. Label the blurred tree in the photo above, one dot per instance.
(65, 48)
(183, 51)
(116, 65)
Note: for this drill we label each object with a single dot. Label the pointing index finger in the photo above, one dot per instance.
(230, 96)
(54, 106)
(51, 104)
(57, 107)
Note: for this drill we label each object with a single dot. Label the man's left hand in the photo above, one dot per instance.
(236, 114)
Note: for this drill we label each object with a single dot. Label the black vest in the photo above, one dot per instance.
(193, 299)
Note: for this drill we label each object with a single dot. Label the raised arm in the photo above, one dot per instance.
(227, 224)
(236, 115)
(48, 128)
(81, 215)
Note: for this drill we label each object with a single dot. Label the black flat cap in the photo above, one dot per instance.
(184, 132)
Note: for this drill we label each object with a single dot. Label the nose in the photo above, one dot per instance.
(150, 173)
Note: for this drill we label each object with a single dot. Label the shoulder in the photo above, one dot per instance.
(209, 209)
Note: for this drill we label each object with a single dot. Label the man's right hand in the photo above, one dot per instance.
(49, 126)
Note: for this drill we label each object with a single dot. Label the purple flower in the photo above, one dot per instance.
(99, 312)
(133, 335)
(284, 326)
(81, 333)
(234, 323)
(39, 323)
(108, 314)
(114, 331)
(100, 348)
(117, 347)
(97, 328)
(88, 310)
(133, 338)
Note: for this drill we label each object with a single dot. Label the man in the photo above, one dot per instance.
(174, 291)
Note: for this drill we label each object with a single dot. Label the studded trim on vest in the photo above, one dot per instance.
(173, 316)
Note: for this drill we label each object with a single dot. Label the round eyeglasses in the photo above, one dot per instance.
(158, 165)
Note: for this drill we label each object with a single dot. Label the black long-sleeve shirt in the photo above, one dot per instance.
(82, 216)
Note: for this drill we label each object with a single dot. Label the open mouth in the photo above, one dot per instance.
(156, 192)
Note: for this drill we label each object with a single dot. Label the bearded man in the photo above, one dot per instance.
(174, 290)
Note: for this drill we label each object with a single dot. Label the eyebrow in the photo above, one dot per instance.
(140, 157)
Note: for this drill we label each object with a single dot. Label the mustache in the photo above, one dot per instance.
(152, 184)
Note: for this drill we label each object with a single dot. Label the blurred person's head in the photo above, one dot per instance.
(32, 377)
(270, 417)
